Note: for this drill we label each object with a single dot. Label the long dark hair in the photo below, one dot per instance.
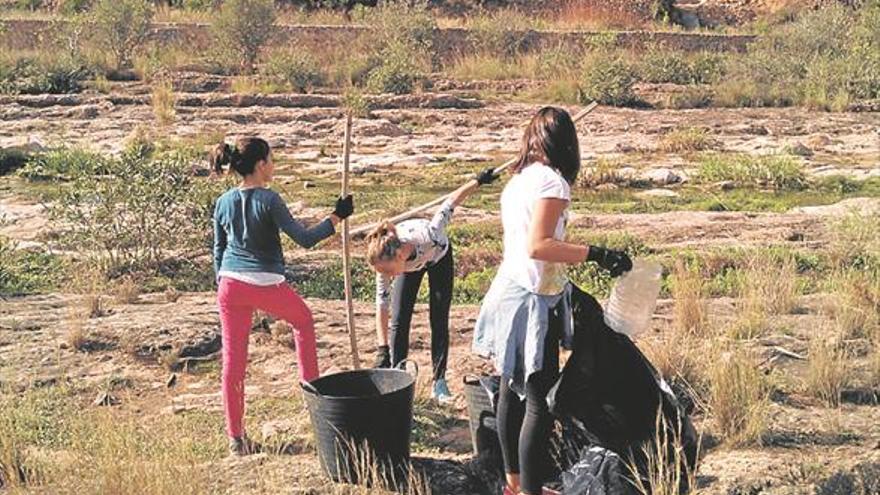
(243, 157)
(551, 139)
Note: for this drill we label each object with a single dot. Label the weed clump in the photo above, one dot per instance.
(738, 397)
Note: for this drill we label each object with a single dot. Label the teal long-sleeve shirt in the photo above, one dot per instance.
(247, 226)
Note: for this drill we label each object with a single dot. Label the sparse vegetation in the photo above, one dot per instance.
(686, 140)
(608, 80)
(690, 313)
(778, 172)
(297, 70)
(27, 271)
(163, 102)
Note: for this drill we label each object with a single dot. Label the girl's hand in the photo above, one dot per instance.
(486, 176)
(344, 207)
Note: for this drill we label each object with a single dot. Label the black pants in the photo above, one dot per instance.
(524, 427)
(403, 299)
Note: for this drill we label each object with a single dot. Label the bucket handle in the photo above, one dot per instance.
(308, 387)
(403, 365)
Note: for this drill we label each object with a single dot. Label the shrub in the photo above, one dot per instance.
(296, 69)
(26, 271)
(63, 164)
(662, 65)
(397, 73)
(72, 7)
(773, 171)
(142, 212)
(241, 28)
(41, 75)
(11, 160)
(121, 26)
(608, 80)
(502, 32)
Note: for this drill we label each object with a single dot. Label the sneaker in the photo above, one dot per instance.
(383, 357)
(441, 392)
(241, 446)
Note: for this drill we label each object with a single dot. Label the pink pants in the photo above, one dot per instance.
(237, 301)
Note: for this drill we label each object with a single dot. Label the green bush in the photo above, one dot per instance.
(240, 30)
(72, 7)
(27, 271)
(139, 213)
(396, 74)
(660, 65)
(12, 160)
(326, 281)
(502, 32)
(41, 75)
(63, 164)
(32, 5)
(608, 80)
(773, 171)
(121, 26)
(295, 69)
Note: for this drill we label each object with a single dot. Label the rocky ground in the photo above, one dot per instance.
(155, 359)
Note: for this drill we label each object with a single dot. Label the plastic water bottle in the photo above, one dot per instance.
(633, 299)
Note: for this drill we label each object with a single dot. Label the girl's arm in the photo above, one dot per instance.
(302, 235)
(219, 243)
(383, 285)
(541, 244)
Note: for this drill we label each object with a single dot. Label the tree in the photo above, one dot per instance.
(241, 29)
(122, 25)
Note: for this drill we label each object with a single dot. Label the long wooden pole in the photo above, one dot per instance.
(363, 229)
(346, 254)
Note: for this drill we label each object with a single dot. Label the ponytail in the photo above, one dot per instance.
(383, 243)
(243, 157)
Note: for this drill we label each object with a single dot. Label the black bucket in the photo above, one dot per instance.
(362, 420)
(481, 415)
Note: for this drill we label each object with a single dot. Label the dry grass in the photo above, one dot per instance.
(874, 369)
(686, 140)
(163, 102)
(738, 397)
(172, 295)
(667, 468)
(170, 359)
(127, 291)
(282, 333)
(828, 371)
(690, 310)
(254, 85)
(681, 360)
(769, 287)
(603, 172)
(857, 309)
(593, 14)
(94, 305)
(76, 335)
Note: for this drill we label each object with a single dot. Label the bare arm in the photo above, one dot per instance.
(542, 245)
(382, 325)
(458, 196)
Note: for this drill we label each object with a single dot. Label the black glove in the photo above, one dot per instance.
(344, 207)
(383, 357)
(616, 262)
(486, 176)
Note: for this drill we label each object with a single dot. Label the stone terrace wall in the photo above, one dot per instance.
(32, 34)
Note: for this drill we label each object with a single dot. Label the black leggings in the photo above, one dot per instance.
(524, 428)
(403, 299)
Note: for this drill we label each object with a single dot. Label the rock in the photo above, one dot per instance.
(819, 141)
(624, 148)
(798, 149)
(464, 156)
(608, 186)
(725, 185)
(756, 130)
(658, 193)
(864, 206)
(379, 127)
(305, 156)
(105, 399)
(275, 429)
(661, 177)
(171, 381)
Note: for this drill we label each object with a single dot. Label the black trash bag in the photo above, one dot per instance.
(598, 472)
(610, 389)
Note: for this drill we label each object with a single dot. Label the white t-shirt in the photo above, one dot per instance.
(262, 279)
(534, 182)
